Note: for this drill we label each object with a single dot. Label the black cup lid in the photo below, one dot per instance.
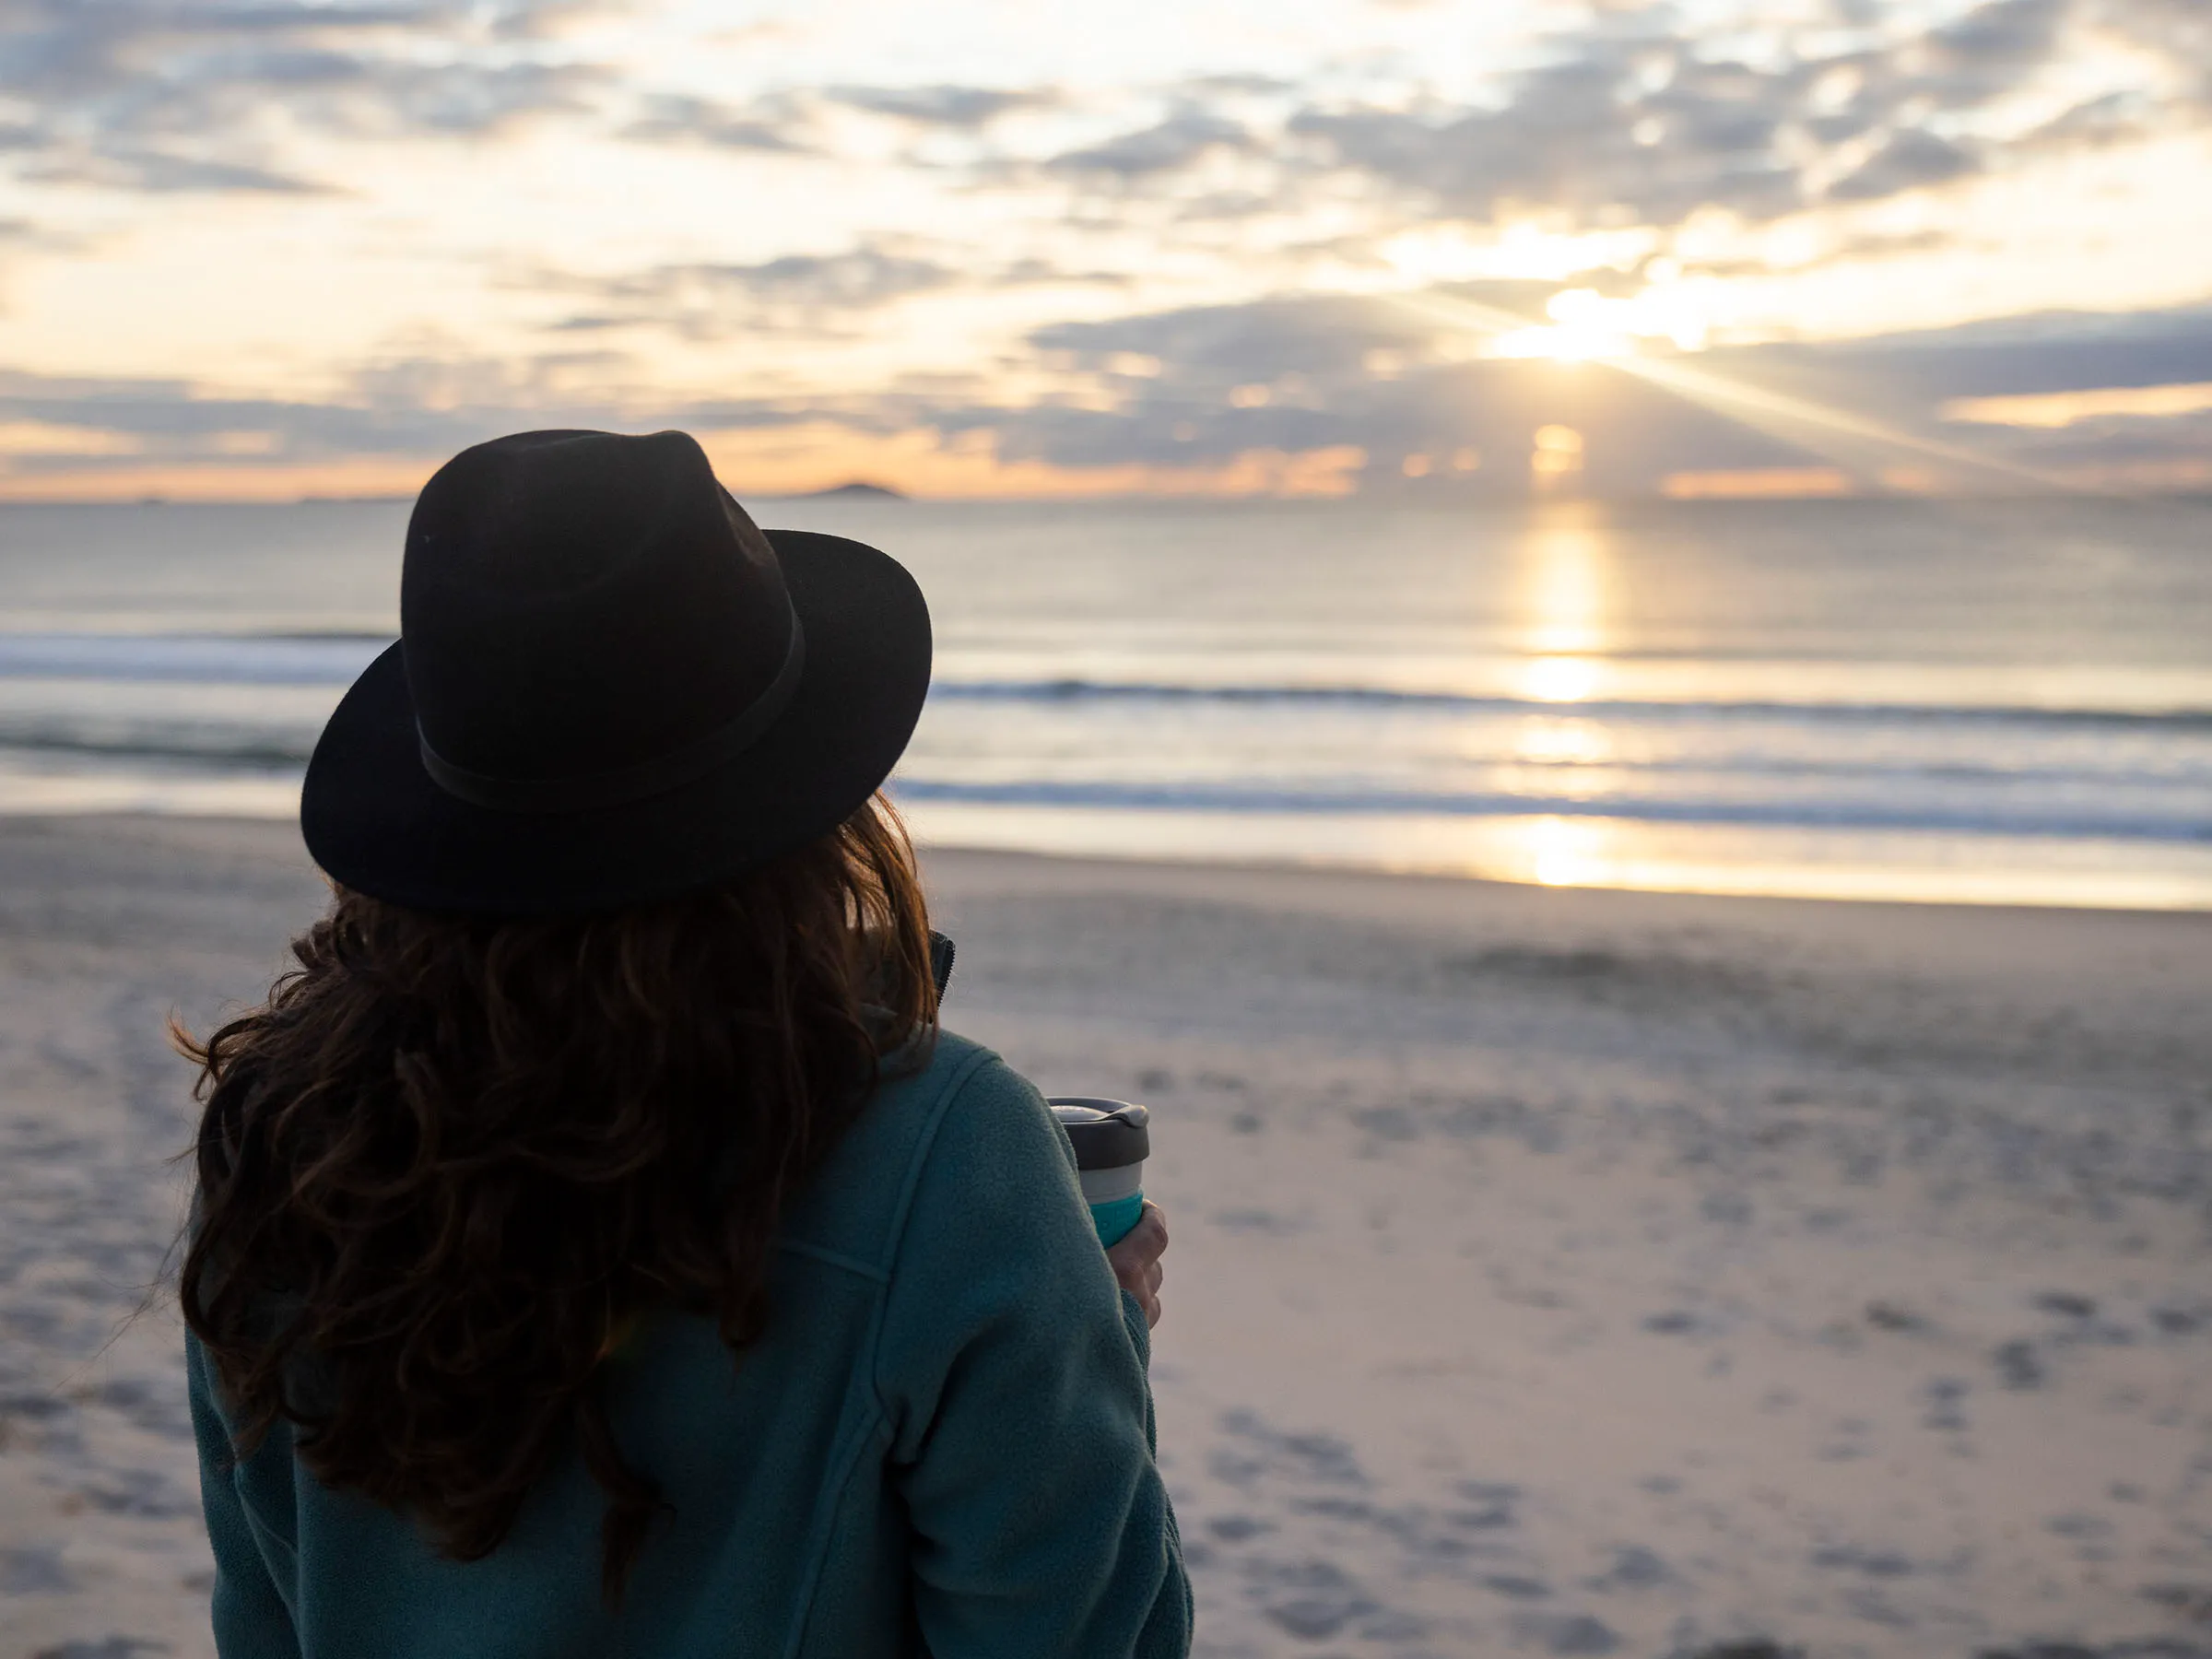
(1109, 1134)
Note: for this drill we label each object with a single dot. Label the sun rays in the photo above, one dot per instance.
(1587, 327)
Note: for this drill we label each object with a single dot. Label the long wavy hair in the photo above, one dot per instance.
(449, 1161)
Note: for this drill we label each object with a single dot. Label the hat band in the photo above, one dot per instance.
(627, 784)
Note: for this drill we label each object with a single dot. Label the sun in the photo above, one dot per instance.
(1583, 328)
(1563, 344)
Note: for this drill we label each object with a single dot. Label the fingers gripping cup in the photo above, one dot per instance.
(1113, 1139)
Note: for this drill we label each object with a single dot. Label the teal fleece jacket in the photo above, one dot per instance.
(942, 1445)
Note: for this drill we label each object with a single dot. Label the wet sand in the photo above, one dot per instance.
(1554, 1271)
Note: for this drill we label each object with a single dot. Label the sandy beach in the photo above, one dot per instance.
(1555, 1272)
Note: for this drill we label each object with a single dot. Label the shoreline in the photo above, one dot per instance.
(1556, 1270)
(282, 832)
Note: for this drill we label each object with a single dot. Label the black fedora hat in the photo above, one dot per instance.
(611, 687)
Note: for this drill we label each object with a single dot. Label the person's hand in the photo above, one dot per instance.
(1135, 1259)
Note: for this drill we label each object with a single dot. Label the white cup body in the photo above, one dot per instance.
(1103, 1186)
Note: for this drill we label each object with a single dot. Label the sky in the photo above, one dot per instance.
(261, 249)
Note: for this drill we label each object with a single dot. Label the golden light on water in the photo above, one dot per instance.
(1542, 740)
(1564, 852)
(1560, 851)
(1561, 680)
(1565, 597)
(1566, 578)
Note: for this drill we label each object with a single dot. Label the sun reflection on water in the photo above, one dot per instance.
(1542, 740)
(1565, 600)
(1566, 582)
(1561, 679)
(1565, 852)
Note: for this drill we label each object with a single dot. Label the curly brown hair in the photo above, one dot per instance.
(450, 1158)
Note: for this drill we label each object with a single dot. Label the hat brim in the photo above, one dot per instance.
(375, 820)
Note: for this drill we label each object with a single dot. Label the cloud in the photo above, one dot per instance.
(1198, 388)
(194, 95)
(1911, 161)
(2178, 29)
(2007, 356)
(811, 293)
(1631, 118)
(776, 125)
(1223, 345)
(1302, 373)
(1999, 40)
(158, 172)
(789, 120)
(172, 419)
(1646, 127)
(830, 296)
(427, 407)
(1169, 146)
(945, 106)
(856, 279)
(2055, 411)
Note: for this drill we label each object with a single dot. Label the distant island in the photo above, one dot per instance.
(856, 490)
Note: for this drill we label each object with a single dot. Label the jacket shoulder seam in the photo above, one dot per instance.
(835, 1258)
(878, 1415)
(895, 1231)
(896, 1235)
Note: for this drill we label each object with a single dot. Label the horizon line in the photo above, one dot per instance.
(1392, 497)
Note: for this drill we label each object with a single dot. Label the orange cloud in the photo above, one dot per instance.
(751, 461)
(2053, 410)
(2152, 478)
(1756, 483)
(226, 481)
(790, 460)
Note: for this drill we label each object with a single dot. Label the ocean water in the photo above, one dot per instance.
(2002, 703)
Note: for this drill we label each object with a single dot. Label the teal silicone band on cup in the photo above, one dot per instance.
(1116, 1217)
(1116, 1197)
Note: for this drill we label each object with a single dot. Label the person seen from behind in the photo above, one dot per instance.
(598, 1247)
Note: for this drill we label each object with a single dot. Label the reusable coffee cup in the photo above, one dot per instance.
(1113, 1139)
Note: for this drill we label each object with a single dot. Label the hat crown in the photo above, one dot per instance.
(574, 605)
